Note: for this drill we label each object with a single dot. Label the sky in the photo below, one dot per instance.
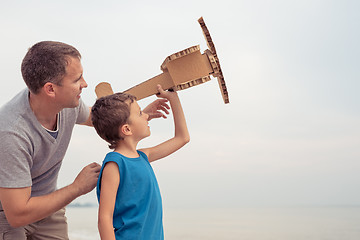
(291, 133)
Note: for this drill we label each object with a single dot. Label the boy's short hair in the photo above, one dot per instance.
(46, 62)
(109, 113)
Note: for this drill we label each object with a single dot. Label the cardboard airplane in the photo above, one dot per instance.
(181, 70)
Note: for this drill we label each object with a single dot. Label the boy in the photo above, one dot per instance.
(129, 198)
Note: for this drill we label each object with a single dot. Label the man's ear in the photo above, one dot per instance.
(48, 89)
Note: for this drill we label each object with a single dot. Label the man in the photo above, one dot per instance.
(35, 130)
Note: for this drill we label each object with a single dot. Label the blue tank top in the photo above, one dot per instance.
(138, 205)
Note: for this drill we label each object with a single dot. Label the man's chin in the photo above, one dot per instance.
(74, 105)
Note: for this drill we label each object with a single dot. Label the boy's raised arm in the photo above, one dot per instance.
(181, 136)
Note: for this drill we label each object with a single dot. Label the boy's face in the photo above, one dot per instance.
(138, 122)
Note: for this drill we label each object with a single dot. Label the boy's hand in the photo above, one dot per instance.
(165, 94)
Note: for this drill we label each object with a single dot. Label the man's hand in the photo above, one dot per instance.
(86, 180)
(157, 109)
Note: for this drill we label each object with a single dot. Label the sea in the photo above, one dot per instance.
(247, 223)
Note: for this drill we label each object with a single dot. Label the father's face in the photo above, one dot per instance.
(68, 94)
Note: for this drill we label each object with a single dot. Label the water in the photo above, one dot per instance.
(82, 222)
(290, 223)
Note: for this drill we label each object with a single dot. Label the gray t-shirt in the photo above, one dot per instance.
(29, 155)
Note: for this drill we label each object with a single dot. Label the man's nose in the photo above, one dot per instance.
(84, 84)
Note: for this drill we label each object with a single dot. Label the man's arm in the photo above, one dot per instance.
(22, 209)
(157, 109)
(88, 121)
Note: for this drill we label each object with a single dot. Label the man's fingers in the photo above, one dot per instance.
(163, 102)
(95, 166)
(162, 108)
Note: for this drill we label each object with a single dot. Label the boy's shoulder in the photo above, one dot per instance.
(118, 157)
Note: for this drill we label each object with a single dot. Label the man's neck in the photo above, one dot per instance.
(45, 113)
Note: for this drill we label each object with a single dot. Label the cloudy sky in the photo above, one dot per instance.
(291, 133)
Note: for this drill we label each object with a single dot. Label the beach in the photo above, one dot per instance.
(252, 223)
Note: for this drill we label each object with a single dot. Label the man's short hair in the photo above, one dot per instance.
(109, 113)
(46, 62)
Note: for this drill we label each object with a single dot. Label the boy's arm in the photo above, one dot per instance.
(181, 136)
(109, 184)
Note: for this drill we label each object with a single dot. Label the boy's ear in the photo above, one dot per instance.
(125, 130)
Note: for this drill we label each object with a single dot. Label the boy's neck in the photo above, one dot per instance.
(127, 149)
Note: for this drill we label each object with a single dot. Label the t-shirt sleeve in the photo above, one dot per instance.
(83, 112)
(16, 161)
